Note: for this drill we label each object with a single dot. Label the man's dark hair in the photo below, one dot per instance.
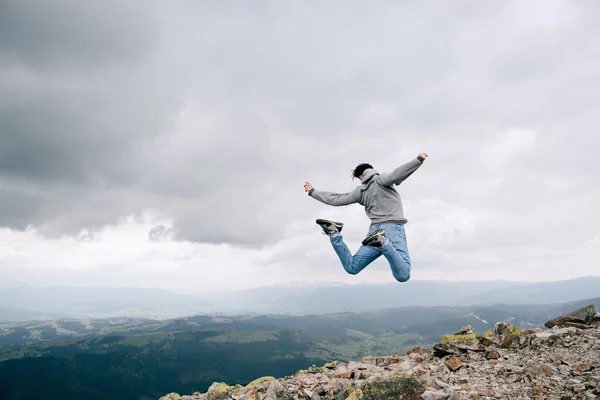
(360, 169)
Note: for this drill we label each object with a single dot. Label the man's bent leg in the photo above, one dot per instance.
(395, 250)
(353, 264)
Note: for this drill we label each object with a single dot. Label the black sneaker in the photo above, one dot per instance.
(375, 239)
(330, 227)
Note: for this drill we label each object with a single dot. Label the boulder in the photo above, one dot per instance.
(276, 391)
(462, 342)
(397, 388)
(417, 350)
(504, 328)
(218, 391)
(444, 349)
(261, 382)
(356, 394)
(584, 315)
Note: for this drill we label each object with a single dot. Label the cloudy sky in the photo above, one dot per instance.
(166, 144)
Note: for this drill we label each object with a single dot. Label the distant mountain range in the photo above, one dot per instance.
(30, 302)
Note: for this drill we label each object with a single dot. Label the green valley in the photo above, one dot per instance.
(143, 359)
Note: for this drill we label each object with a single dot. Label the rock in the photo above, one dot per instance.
(466, 346)
(332, 387)
(264, 381)
(171, 396)
(584, 315)
(417, 350)
(508, 340)
(580, 367)
(307, 380)
(277, 391)
(357, 394)
(444, 349)
(437, 395)
(555, 332)
(332, 365)
(218, 391)
(487, 341)
(453, 364)
(314, 369)
(536, 370)
(353, 365)
(459, 337)
(465, 340)
(531, 331)
(348, 393)
(404, 366)
(504, 328)
(382, 361)
(345, 374)
(243, 394)
(441, 384)
(578, 388)
(397, 388)
(464, 330)
(363, 375)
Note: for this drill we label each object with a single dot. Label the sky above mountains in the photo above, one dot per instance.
(165, 144)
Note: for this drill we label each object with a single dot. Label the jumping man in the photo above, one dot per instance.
(384, 208)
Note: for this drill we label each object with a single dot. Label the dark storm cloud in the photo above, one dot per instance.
(215, 115)
(75, 34)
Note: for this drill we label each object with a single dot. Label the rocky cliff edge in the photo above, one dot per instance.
(562, 362)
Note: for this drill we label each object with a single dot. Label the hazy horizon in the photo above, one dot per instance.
(165, 145)
(299, 283)
(26, 302)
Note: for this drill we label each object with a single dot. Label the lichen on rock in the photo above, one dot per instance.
(400, 388)
(459, 337)
(356, 394)
(260, 381)
(218, 391)
(277, 391)
(504, 328)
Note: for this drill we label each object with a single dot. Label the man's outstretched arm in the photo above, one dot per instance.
(333, 199)
(398, 175)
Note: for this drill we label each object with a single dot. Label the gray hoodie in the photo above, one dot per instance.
(376, 193)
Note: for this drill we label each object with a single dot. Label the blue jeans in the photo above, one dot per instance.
(394, 250)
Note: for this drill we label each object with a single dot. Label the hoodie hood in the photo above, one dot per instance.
(368, 178)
